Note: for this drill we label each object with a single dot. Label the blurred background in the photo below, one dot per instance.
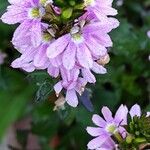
(27, 119)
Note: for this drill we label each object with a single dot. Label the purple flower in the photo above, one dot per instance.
(100, 8)
(73, 54)
(2, 57)
(83, 45)
(29, 14)
(107, 126)
(32, 58)
(136, 111)
(72, 84)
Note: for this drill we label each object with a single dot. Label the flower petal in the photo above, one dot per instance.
(107, 114)
(58, 87)
(135, 111)
(97, 142)
(58, 46)
(121, 115)
(71, 98)
(99, 69)
(98, 121)
(88, 76)
(69, 56)
(95, 131)
(84, 56)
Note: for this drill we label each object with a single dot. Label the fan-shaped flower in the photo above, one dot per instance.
(107, 126)
(100, 8)
(29, 14)
(84, 44)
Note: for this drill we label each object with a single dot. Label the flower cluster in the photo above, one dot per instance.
(70, 43)
(119, 132)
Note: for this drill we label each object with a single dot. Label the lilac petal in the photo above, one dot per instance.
(53, 71)
(36, 33)
(58, 46)
(99, 69)
(135, 111)
(107, 114)
(14, 14)
(57, 61)
(97, 120)
(21, 38)
(84, 56)
(121, 115)
(95, 131)
(100, 15)
(109, 11)
(14, 1)
(69, 56)
(122, 131)
(87, 75)
(95, 48)
(97, 142)
(40, 59)
(104, 39)
(71, 98)
(58, 87)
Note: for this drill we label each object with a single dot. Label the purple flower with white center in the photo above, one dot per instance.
(136, 111)
(107, 126)
(29, 14)
(72, 84)
(83, 44)
(2, 57)
(72, 51)
(33, 58)
(100, 8)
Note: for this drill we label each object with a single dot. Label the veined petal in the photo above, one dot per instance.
(88, 76)
(69, 56)
(58, 46)
(71, 98)
(121, 115)
(84, 56)
(53, 71)
(107, 114)
(95, 48)
(15, 14)
(99, 69)
(97, 120)
(95, 131)
(97, 142)
(36, 33)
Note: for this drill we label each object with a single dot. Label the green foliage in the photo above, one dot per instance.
(138, 133)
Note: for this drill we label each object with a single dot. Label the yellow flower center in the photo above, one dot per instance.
(36, 12)
(89, 2)
(45, 2)
(111, 128)
(76, 35)
(47, 37)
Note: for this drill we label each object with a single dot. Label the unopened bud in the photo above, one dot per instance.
(104, 60)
